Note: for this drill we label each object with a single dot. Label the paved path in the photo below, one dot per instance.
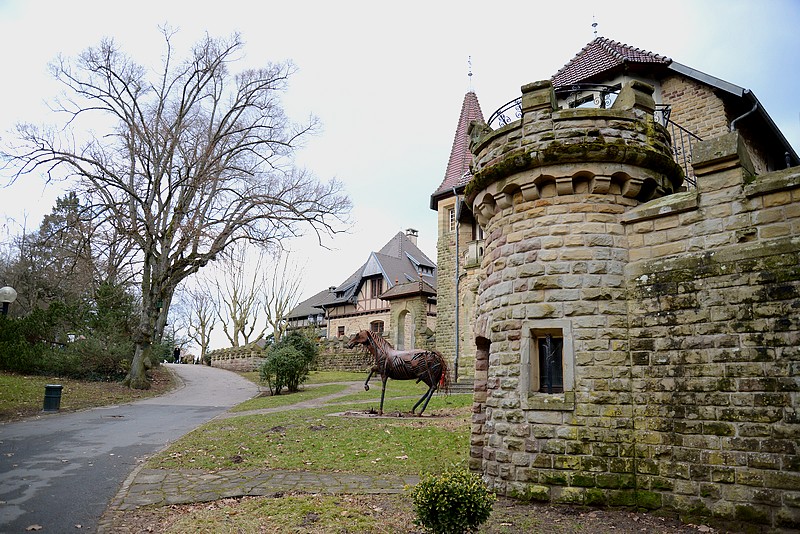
(161, 487)
(62, 470)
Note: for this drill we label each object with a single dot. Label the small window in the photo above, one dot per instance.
(451, 218)
(550, 358)
(548, 365)
(376, 327)
(340, 331)
(376, 287)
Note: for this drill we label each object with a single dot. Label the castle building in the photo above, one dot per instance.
(635, 324)
(690, 104)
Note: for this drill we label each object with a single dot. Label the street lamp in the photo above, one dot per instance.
(7, 296)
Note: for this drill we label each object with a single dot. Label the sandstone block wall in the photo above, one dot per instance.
(240, 359)
(335, 356)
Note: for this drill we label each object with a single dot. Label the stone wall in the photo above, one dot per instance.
(240, 359)
(335, 356)
(678, 311)
(715, 341)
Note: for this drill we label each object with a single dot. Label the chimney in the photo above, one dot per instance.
(412, 235)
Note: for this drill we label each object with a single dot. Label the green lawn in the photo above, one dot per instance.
(23, 396)
(318, 440)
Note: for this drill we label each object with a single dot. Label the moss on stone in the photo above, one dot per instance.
(594, 150)
(750, 514)
(583, 480)
(532, 493)
(648, 499)
(595, 497)
(621, 498)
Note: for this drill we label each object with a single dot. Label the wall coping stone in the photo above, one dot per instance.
(774, 182)
(662, 207)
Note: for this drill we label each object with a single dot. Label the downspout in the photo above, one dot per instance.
(455, 361)
(740, 117)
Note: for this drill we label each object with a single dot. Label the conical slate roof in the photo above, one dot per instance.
(600, 56)
(457, 173)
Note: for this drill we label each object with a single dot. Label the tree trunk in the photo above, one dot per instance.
(137, 377)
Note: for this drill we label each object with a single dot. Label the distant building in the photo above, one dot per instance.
(393, 292)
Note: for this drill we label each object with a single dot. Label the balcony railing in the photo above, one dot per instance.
(603, 96)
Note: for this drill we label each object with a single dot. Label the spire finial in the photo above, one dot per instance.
(469, 73)
(594, 26)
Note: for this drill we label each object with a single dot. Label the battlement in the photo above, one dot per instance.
(549, 152)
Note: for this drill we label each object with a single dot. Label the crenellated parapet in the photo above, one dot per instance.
(620, 151)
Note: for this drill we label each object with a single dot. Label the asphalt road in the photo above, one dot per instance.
(60, 471)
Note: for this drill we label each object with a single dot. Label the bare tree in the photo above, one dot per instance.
(239, 290)
(196, 313)
(192, 161)
(281, 292)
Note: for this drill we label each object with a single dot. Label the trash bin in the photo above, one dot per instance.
(52, 397)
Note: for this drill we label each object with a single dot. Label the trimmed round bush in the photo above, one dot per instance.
(453, 502)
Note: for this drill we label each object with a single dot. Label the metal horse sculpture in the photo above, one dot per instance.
(423, 365)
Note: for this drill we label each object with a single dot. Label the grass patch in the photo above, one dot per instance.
(285, 513)
(23, 396)
(394, 388)
(323, 377)
(314, 440)
(274, 401)
(314, 377)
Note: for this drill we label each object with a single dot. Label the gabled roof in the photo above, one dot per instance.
(398, 262)
(601, 56)
(457, 174)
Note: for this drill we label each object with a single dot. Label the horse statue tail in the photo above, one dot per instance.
(444, 380)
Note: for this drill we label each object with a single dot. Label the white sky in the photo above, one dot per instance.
(387, 80)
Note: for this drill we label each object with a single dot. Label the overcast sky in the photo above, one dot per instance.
(387, 80)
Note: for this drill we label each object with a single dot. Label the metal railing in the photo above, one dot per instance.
(603, 96)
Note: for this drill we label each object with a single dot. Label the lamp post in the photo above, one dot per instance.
(7, 296)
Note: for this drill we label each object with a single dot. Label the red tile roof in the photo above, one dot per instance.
(457, 173)
(602, 55)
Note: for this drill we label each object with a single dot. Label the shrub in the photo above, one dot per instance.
(288, 362)
(453, 502)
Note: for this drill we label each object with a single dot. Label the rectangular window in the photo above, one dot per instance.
(340, 331)
(376, 287)
(548, 365)
(376, 327)
(550, 358)
(451, 219)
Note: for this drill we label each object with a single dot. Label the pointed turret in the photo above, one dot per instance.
(457, 174)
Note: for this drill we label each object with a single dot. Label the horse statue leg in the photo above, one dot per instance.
(425, 397)
(383, 392)
(372, 371)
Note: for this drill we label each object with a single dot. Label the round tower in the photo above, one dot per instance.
(550, 190)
